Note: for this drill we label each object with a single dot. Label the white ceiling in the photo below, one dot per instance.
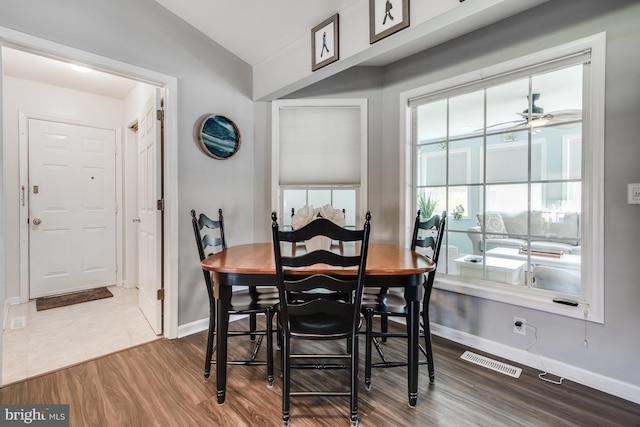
(239, 26)
(255, 29)
(16, 63)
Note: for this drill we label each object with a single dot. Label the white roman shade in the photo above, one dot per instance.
(320, 145)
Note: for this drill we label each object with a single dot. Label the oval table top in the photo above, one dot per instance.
(257, 258)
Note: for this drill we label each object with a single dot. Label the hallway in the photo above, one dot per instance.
(36, 342)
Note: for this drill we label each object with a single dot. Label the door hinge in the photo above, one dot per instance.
(160, 115)
(160, 294)
(160, 204)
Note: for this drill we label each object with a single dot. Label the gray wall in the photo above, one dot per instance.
(614, 345)
(210, 81)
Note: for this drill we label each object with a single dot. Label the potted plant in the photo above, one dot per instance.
(427, 205)
(458, 212)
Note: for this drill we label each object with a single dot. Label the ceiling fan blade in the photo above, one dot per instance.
(521, 126)
(500, 124)
(565, 114)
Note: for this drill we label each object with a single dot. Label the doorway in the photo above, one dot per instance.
(9, 245)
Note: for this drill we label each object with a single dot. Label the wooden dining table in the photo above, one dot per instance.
(388, 265)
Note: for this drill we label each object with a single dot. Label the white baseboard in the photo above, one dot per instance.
(199, 326)
(587, 378)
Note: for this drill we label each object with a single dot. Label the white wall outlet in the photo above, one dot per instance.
(633, 194)
(519, 329)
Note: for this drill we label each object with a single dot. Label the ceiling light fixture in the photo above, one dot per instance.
(80, 68)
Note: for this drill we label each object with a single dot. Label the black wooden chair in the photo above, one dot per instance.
(389, 302)
(319, 306)
(210, 235)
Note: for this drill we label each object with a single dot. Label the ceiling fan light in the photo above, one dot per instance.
(538, 122)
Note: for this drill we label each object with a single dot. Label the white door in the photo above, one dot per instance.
(149, 215)
(72, 202)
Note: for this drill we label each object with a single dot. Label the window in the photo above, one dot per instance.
(319, 156)
(515, 158)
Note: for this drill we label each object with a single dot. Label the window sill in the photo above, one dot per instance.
(519, 296)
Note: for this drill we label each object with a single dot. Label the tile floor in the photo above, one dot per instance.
(35, 342)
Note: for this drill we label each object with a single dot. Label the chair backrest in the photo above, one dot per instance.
(320, 290)
(208, 233)
(213, 239)
(436, 222)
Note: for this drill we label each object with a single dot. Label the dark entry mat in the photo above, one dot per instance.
(45, 303)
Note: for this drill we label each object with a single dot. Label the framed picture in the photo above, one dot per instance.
(387, 17)
(218, 137)
(324, 43)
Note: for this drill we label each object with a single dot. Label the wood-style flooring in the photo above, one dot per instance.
(161, 384)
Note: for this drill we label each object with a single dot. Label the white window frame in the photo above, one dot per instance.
(362, 186)
(591, 305)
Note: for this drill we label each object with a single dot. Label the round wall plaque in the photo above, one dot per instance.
(219, 137)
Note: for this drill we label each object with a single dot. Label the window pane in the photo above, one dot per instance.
(507, 161)
(465, 161)
(467, 197)
(560, 94)
(431, 122)
(510, 198)
(466, 114)
(346, 199)
(432, 166)
(292, 199)
(319, 198)
(431, 200)
(557, 153)
(505, 106)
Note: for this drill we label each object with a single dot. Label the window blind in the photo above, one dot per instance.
(320, 145)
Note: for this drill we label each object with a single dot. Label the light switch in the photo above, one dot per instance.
(633, 194)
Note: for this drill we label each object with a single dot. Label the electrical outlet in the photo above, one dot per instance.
(519, 329)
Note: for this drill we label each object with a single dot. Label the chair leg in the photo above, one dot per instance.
(269, 316)
(427, 345)
(354, 382)
(286, 380)
(209, 351)
(368, 349)
(252, 325)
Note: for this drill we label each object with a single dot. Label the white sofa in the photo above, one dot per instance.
(510, 227)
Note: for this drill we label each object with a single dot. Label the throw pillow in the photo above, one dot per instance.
(567, 231)
(493, 224)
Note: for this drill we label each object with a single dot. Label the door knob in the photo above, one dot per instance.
(136, 219)
(36, 221)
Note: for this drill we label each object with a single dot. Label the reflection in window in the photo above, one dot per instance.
(508, 155)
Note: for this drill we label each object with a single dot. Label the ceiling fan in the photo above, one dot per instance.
(539, 118)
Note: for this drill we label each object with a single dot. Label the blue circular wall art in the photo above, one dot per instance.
(219, 137)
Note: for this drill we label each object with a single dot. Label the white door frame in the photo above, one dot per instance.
(44, 47)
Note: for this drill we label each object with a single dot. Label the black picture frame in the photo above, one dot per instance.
(218, 137)
(387, 17)
(325, 46)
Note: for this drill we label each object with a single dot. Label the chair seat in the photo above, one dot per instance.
(320, 324)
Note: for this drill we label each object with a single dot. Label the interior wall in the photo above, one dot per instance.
(45, 100)
(211, 80)
(609, 360)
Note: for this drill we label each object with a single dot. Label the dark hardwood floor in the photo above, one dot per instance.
(161, 384)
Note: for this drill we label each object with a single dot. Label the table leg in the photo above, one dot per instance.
(413, 314)
(223, 301)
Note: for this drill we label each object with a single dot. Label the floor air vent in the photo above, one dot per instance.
(512, 371)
